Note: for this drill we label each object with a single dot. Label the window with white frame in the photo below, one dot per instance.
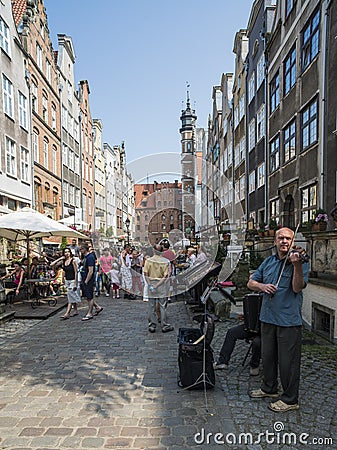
(48, 70)
(22, 110)
(71, 160)
(65, 192)
(251, 87)
(252, 182)
(69, 90)
(237, 191)
(71, 194)
(236, 116)
(226, 193)
(237, 155)
(54, 160)
(76, 130)
(45, 153)
(8, 99)
(289, 141)
(241, 107)
(310, 40)
(77, 198)
(308, 202)
(35, 103)
(53, 117)
(274, 92)
(242, 187)
(260, 72)
(251, 135)
(225, 126)
(10, 157)
(24, 164)
(44, 108)
(274, 154)
(39, 56)
(64, 117)
(309, 125)
(4, 37)
(289, 68)
(77, 164)
(64, 155)
(289, 6)
(35, 146)
(225, 159)
(275, 209)
(260, 123)
(260, 175)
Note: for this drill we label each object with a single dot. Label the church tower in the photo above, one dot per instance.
(188, 167)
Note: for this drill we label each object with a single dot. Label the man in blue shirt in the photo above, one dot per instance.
(88, 281)
(281, 321)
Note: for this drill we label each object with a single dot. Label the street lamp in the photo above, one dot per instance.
(127, 224)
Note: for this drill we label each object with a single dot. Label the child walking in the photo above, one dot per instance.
(115, 280)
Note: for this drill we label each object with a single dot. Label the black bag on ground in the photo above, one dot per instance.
(191, 356)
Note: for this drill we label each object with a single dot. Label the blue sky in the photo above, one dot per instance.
(137, 56)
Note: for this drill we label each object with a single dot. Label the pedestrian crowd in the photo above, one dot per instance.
(81, 271)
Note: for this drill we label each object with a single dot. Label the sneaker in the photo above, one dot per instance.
(254, 371)
(280, 406)
(107, 294)
(167, 328)
(220, 366)
(152, 329)
(259, 393)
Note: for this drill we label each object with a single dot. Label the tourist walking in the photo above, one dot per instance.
(157, 272)
(70, 279)
(88, 281)
(126, 276)
(115, 280)
(106, 261)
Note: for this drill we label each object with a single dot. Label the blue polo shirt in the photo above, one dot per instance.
(284, 308)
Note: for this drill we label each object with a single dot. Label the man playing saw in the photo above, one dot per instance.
(281, 278)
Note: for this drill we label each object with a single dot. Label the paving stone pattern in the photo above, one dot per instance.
(109, 384)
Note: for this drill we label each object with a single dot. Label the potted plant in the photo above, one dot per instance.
(262, 228)
(320, 220)
(273, 226)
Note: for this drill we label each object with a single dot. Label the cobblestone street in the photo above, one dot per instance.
(108, 383)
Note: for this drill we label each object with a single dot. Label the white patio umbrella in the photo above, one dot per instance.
(27, 224)
(71, 221)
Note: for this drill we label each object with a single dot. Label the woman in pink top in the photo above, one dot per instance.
(17, 275)
(106, 261)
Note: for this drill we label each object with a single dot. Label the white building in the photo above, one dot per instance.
(70, 130)
(15, 113)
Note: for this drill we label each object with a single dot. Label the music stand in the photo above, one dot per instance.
(203, 377)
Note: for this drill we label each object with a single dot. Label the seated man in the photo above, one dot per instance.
(233, 334)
